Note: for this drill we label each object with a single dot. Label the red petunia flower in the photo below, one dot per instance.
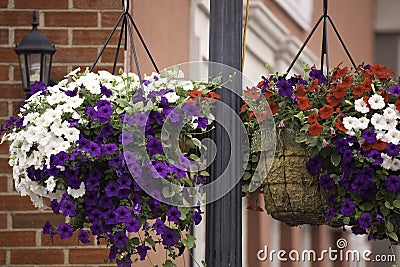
(313, 118)
(315, 129)
(326, 111)
(303, 103)
(195, 93)
(340, 126)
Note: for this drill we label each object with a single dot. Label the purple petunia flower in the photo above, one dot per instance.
(160, 170)
(124, 182)
(68, 208)
(154, 146)
(201, 122)
(285, 88)
(59, 159)
(137, 209)
(83, 236)
(392, 150)
(105, 91)
(190, 110)
(175, 116)
(379, 218)
(326, 181)
(38, 86)
(347, 207)
(108, 149)
(110, 218)
(395, 90)
(124, 263)
(113, 252)
(64, 231)
(112, 190)
(173, 214)
(330, 214)
(132, 225)
(170, 237)
(47, 228)
(365, 220)
(314, 165)
(126, 138)
(159, 226)
(142, 251)
(96, 228)
(141, 119)
(369, 136)
(358, 230)
(116, 162)
(376, 156)
(196, 218)
(392, 183)
(55, 206)
(120, 239)
(122, 213)
(129, 157)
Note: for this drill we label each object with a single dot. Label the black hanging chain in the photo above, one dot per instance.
(324, 51)
(126, 28)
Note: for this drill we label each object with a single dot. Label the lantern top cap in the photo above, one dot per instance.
(35, 41)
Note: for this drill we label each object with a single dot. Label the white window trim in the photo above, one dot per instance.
(300, 10)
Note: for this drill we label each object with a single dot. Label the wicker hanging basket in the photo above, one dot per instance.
(291, 194)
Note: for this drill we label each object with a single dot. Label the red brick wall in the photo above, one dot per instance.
(78, 28)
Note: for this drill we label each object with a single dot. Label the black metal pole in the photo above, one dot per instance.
(224, 216)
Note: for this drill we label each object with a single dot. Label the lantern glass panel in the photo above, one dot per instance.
(46, 68)
(34, 67)
(23, 68)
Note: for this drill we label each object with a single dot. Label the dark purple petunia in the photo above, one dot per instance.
(110, 218)
(72, 93)
(132, 225)
(365, 220)
(201, 122)
(120, 239)
(135, 170)
(124, 263)
(175, 116)
(347, 207)
(116, 162)
(47, 228)
(112, 189)
(96, 228)
(55, 206)
(160, 170)
(379, 218)
(113, 252)
(91, 198)
(38, 86)
(141, 119)
(392, 183)
(314, 165)
(83, 236)
(330, 214)
(173, 214)
(170, 237)
(358, 230)
(285, 88)
(68, 208)
(376, 156)
(64, 231)
(326, 181)
(196, 218)
(395, 90)
(108, 149)
(59, 159)
(137, 209)
(94, 150)
(318, 74)
(392, 150)
(124, 182)
(369, 136)
(105, 91)
(142, 251)
(159, 226)
(94, 215)
(122, 213)
(154, 146)
(130, 157)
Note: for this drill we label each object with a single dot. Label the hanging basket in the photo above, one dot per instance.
(291, 194)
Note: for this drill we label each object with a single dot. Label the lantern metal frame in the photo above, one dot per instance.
(34, 48)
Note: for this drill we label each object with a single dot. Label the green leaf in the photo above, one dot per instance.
(184, 211)
(396, 203)
(335, 159)
(389, 226)
(346, 220)
(168, 263)
(393, 236)
(135, 241)
(189, 241)
(150, 241)
(388, 205)
(203, 262)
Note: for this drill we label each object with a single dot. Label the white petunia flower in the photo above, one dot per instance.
(387, 161)
(362, 123)
(350, 123)
(379, 122)
(361, 106)
(172, 97)
(395, 165)
(50, 184)
(392, 136)
(390, 113)
(376, 102)
(75, 193)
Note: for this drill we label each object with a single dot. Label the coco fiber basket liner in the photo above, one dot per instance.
(291, 194)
